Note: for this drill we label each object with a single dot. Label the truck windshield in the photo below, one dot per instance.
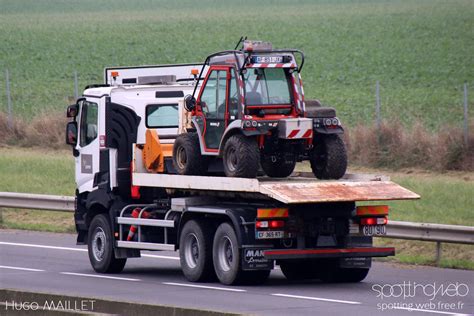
(267, 86)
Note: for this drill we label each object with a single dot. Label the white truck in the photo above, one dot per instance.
(129, 197)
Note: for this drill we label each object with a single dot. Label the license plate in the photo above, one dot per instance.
(269, 234)
(374, 230)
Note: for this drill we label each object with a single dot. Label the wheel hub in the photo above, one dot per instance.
(99, 244)
(191, 250)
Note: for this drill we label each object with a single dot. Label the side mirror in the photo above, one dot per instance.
(71, 133)
(72, 110)
(189, 103)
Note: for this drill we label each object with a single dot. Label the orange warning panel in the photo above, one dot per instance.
(272, 212)
(372, 210)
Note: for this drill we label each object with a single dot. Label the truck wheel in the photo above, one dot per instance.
(329, 158)
(340, 275)
(100, 247)
(241, 157)
(226, 256)
(195, 246)
(299, 270)
(278, 167)
(187, 158)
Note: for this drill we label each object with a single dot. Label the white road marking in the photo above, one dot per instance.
(315, 298)
(430, 311)
(77, 249)
(24, 269)
(205, 287)
(100, 276)
(40, 246)
(160, 257)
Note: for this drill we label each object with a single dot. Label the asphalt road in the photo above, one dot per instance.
(52, 263)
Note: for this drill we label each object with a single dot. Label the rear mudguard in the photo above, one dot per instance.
(326, 131)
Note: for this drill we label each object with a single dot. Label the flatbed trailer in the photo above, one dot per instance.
(303, 187)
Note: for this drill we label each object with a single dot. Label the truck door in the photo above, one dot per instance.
(87, 162)
(212, 104)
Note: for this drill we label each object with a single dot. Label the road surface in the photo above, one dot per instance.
(52, 263)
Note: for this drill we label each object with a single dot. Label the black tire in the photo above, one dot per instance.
(278, 166)
(241, 157)
(187, 158)
(340, 275)
(195, 251)
(100, 247)
(299, 270)
(329, 158)
(227, 259)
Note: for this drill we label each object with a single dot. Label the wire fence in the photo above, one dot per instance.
(25, 96)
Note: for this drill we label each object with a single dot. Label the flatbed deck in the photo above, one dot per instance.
(298, 188)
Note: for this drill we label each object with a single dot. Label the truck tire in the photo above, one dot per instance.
(228, 261)
(299, 270)
(279, 167)
(241, 157)
(100, 247)
(195, 251)
(329, 158)
(340, 275)
(187, 158)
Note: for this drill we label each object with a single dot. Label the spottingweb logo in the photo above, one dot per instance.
(428, 296)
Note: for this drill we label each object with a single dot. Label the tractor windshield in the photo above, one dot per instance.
(267, 86)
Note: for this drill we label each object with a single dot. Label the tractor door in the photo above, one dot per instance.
(87, 162)
(214, 106)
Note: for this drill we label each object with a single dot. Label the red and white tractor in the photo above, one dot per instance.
(250, 112)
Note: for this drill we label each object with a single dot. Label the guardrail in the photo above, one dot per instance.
(438, 233)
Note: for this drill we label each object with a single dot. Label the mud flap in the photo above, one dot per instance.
(361, 262)
(253, 259)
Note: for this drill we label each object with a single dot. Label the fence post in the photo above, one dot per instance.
(76, 91)
(466, 123)
(377, 104)
(438, 253)
(9, 101)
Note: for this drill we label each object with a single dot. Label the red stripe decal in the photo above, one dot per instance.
(325, 251)
(293, 133)
(308, 133)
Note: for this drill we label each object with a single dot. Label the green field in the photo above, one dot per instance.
(419, 50)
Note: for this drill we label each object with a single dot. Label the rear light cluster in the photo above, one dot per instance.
(271, 218)
(255, 124)
(269, 224)
(374, 221)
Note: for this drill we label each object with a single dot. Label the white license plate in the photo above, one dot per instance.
(270, 234)
(374, 230)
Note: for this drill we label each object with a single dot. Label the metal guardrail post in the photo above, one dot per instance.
(438, 253)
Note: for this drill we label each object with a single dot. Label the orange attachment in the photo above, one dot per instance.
(154, 152)
(272, 212)
(372, 210)
(114, 74)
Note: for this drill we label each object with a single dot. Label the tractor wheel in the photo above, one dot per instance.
(100, 247)
(187, 158)
(329, 158)
(241, 157)
(278, 166)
